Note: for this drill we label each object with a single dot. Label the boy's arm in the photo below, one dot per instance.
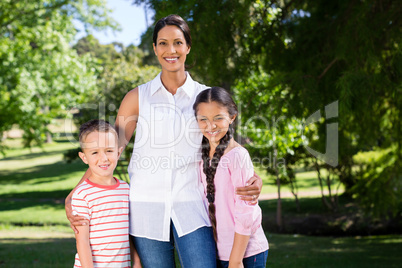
(83, 247)
(75, 220)
(238, 250)
(135, 258)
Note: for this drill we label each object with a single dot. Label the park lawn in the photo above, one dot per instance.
(34, 231)
(34, 183)
(306, 182)
(52, 246)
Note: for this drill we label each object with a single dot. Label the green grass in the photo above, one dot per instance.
(306, 251)
(55, 247)
(306, 182)
(34, 183)
(46, 247)
(34, 231)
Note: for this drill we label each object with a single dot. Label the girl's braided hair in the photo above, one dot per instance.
(223, 98)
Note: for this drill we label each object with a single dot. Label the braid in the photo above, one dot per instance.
(222, 98)
(210, 171)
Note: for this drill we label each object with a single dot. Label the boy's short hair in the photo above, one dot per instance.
(93, 125)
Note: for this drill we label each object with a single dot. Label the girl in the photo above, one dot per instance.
(241, 242)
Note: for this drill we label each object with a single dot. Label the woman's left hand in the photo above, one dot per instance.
(251, 191)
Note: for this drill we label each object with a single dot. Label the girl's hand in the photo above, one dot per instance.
(251, 191)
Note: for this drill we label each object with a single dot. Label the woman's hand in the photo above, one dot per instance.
(75, 220)
(251, 191)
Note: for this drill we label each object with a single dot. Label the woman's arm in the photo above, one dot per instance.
(127, 117)
(83, 247)
(75, 220)
(238, 250)
(251, 191)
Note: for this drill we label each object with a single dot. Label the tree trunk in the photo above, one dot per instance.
(279, 202)
(49, 138)
(323, 198)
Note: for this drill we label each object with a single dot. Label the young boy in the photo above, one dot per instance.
(103, 200)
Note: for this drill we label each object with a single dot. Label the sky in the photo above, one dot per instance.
(131, 19)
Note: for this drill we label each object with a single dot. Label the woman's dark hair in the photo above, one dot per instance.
(223, 98)
(174, 20)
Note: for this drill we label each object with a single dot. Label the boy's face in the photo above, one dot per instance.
(101, 153)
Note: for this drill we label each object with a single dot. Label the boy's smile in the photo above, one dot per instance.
(101, 153)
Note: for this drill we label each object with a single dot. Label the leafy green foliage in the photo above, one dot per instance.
(378, 182)
(121, 69)
(307, 55)
(41, 76)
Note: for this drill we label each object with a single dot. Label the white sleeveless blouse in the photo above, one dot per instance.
(164, 167)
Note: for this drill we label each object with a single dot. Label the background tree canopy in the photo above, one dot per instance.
(285, 62)
(41, 75)
(289, 59)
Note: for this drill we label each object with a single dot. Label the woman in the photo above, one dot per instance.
(167, 207)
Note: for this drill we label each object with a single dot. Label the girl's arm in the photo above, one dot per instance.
(83, 247)
(238, 250)
(247, 218)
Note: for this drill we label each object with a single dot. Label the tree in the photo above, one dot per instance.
(340, 51)
(213, 24)
(41, 75)
(121, 69)
(316, 53)
(272, 138)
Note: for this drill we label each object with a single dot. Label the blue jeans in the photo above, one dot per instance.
(195, 250)
(256, 261)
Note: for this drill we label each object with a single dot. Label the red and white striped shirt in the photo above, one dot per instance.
(107, 209)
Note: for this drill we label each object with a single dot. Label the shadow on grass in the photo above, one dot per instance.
(42, 173)
(44, 196)
(33, 155)
(285, 251)
(44, 253)
(306, 251)
(307, 204)
(315, 219)
(19, 204)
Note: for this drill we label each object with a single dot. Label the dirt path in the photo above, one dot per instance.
(290, 195)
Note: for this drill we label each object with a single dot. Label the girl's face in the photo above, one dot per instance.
(213, 120)
(171, 48)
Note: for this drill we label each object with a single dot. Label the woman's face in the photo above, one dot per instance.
(171, 48)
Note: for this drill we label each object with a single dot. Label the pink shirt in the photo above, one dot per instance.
(234, 215)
